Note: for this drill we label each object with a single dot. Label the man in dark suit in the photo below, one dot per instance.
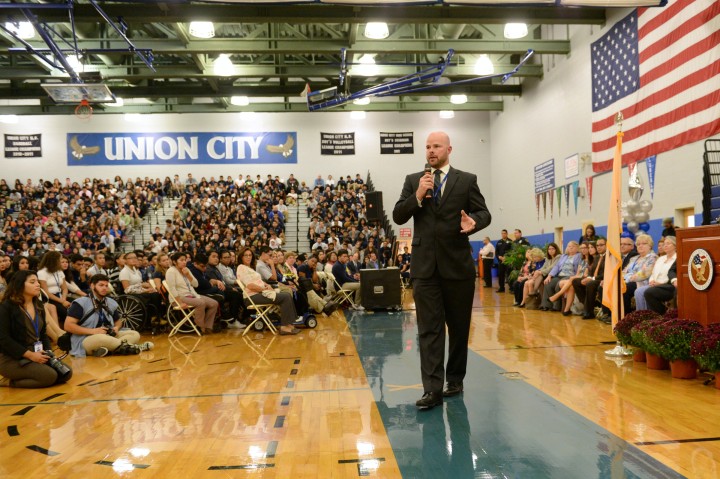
(586, 288)
(627, 251)
(446, 206)
(657, 295)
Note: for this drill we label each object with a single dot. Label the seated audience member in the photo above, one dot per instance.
(656, 296)
(163, 263)
(344, 279)
(98, 266)
(627, 253)
(668, 228)
(372, 261)
(659, 273)
(231, 293)
(403, 266)
(307, 298)
(588, 251)
(79, 273)
(262, 293)
(639, 269)
(552, 257)
(182, 283)
(74, 290)
(353, 263)
(132, 283)
(487, 254)
(589, 235)
(5, 270)
(586, 288)
(24, 344)
(96, 326)
(52, 281)
(565, 268)
(536, 257)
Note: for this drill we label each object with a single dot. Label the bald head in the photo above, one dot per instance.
(437, 149)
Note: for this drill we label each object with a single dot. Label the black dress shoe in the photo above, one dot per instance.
(499, 290)
(453, 389)
(429, 401)
(566, 313)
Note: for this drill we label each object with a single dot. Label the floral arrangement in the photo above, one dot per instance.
(705, 348)
(623, 328)
(639, 333)
(672, 338)
(671, 314)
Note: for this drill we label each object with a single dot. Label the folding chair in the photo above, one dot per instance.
(187, 314)
(262, 311)
(342, 295)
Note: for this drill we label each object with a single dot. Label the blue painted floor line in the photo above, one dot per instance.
(498, 428)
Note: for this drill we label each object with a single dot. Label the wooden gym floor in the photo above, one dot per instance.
(540, 401)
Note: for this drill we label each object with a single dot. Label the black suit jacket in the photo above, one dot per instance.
(437, 241)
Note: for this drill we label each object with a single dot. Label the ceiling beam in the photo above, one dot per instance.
(160, 107)
(182, 12)
(237, 46)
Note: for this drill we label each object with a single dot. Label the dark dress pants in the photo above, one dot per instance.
(502, 270)
(587, 294)
(440, 302)
(655, 296)
(487, 271)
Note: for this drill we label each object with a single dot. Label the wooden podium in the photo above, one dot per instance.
(702, 306)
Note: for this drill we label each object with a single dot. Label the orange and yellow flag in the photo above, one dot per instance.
(613, 283)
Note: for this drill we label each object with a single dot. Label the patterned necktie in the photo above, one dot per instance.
(438, 186)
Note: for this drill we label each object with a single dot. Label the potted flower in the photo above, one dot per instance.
(623, 330)
(673, 339)
(705, 348)
(671, 313)
(639, 337)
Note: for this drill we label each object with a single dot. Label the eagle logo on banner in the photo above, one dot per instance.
(700, 269)
(78, 150)
(285, 149)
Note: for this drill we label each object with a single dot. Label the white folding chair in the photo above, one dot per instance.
(342, 295)
(186, 312)
(262, 311)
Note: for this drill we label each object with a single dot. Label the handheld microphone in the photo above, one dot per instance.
(428, 169)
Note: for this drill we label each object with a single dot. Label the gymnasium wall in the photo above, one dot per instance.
(552, 120)
(469, 132)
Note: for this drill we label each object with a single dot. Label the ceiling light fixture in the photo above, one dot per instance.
(458, 99)
(357, 115)
(447, 114)
(24, 30)
(240, 100)
(513, 31)
(75, 63)
(367, 66)
(223, 66)
(377, 30)
(362, 101)
(202, 29)
(484, 66)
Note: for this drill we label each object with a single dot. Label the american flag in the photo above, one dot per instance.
(698, 259)
(660, 67)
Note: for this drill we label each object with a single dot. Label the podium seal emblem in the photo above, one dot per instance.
(700, 269)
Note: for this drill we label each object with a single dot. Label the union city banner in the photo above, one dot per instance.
(135, 149)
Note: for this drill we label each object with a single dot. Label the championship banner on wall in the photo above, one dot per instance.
(396, 143)
(337, 144)
(23, 146)
(85, 149)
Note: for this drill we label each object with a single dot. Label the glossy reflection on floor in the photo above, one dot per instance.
(500, 427)
(540, 401)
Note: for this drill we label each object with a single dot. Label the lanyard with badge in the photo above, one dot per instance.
(37, 345)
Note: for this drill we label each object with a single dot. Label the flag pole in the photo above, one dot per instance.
(614, 284)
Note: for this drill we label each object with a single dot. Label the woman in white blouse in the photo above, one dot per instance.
(659, 273)
(52, 281)
(182, 284)
(263, 293)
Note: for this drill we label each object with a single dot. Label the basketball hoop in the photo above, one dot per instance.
(83, 111)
